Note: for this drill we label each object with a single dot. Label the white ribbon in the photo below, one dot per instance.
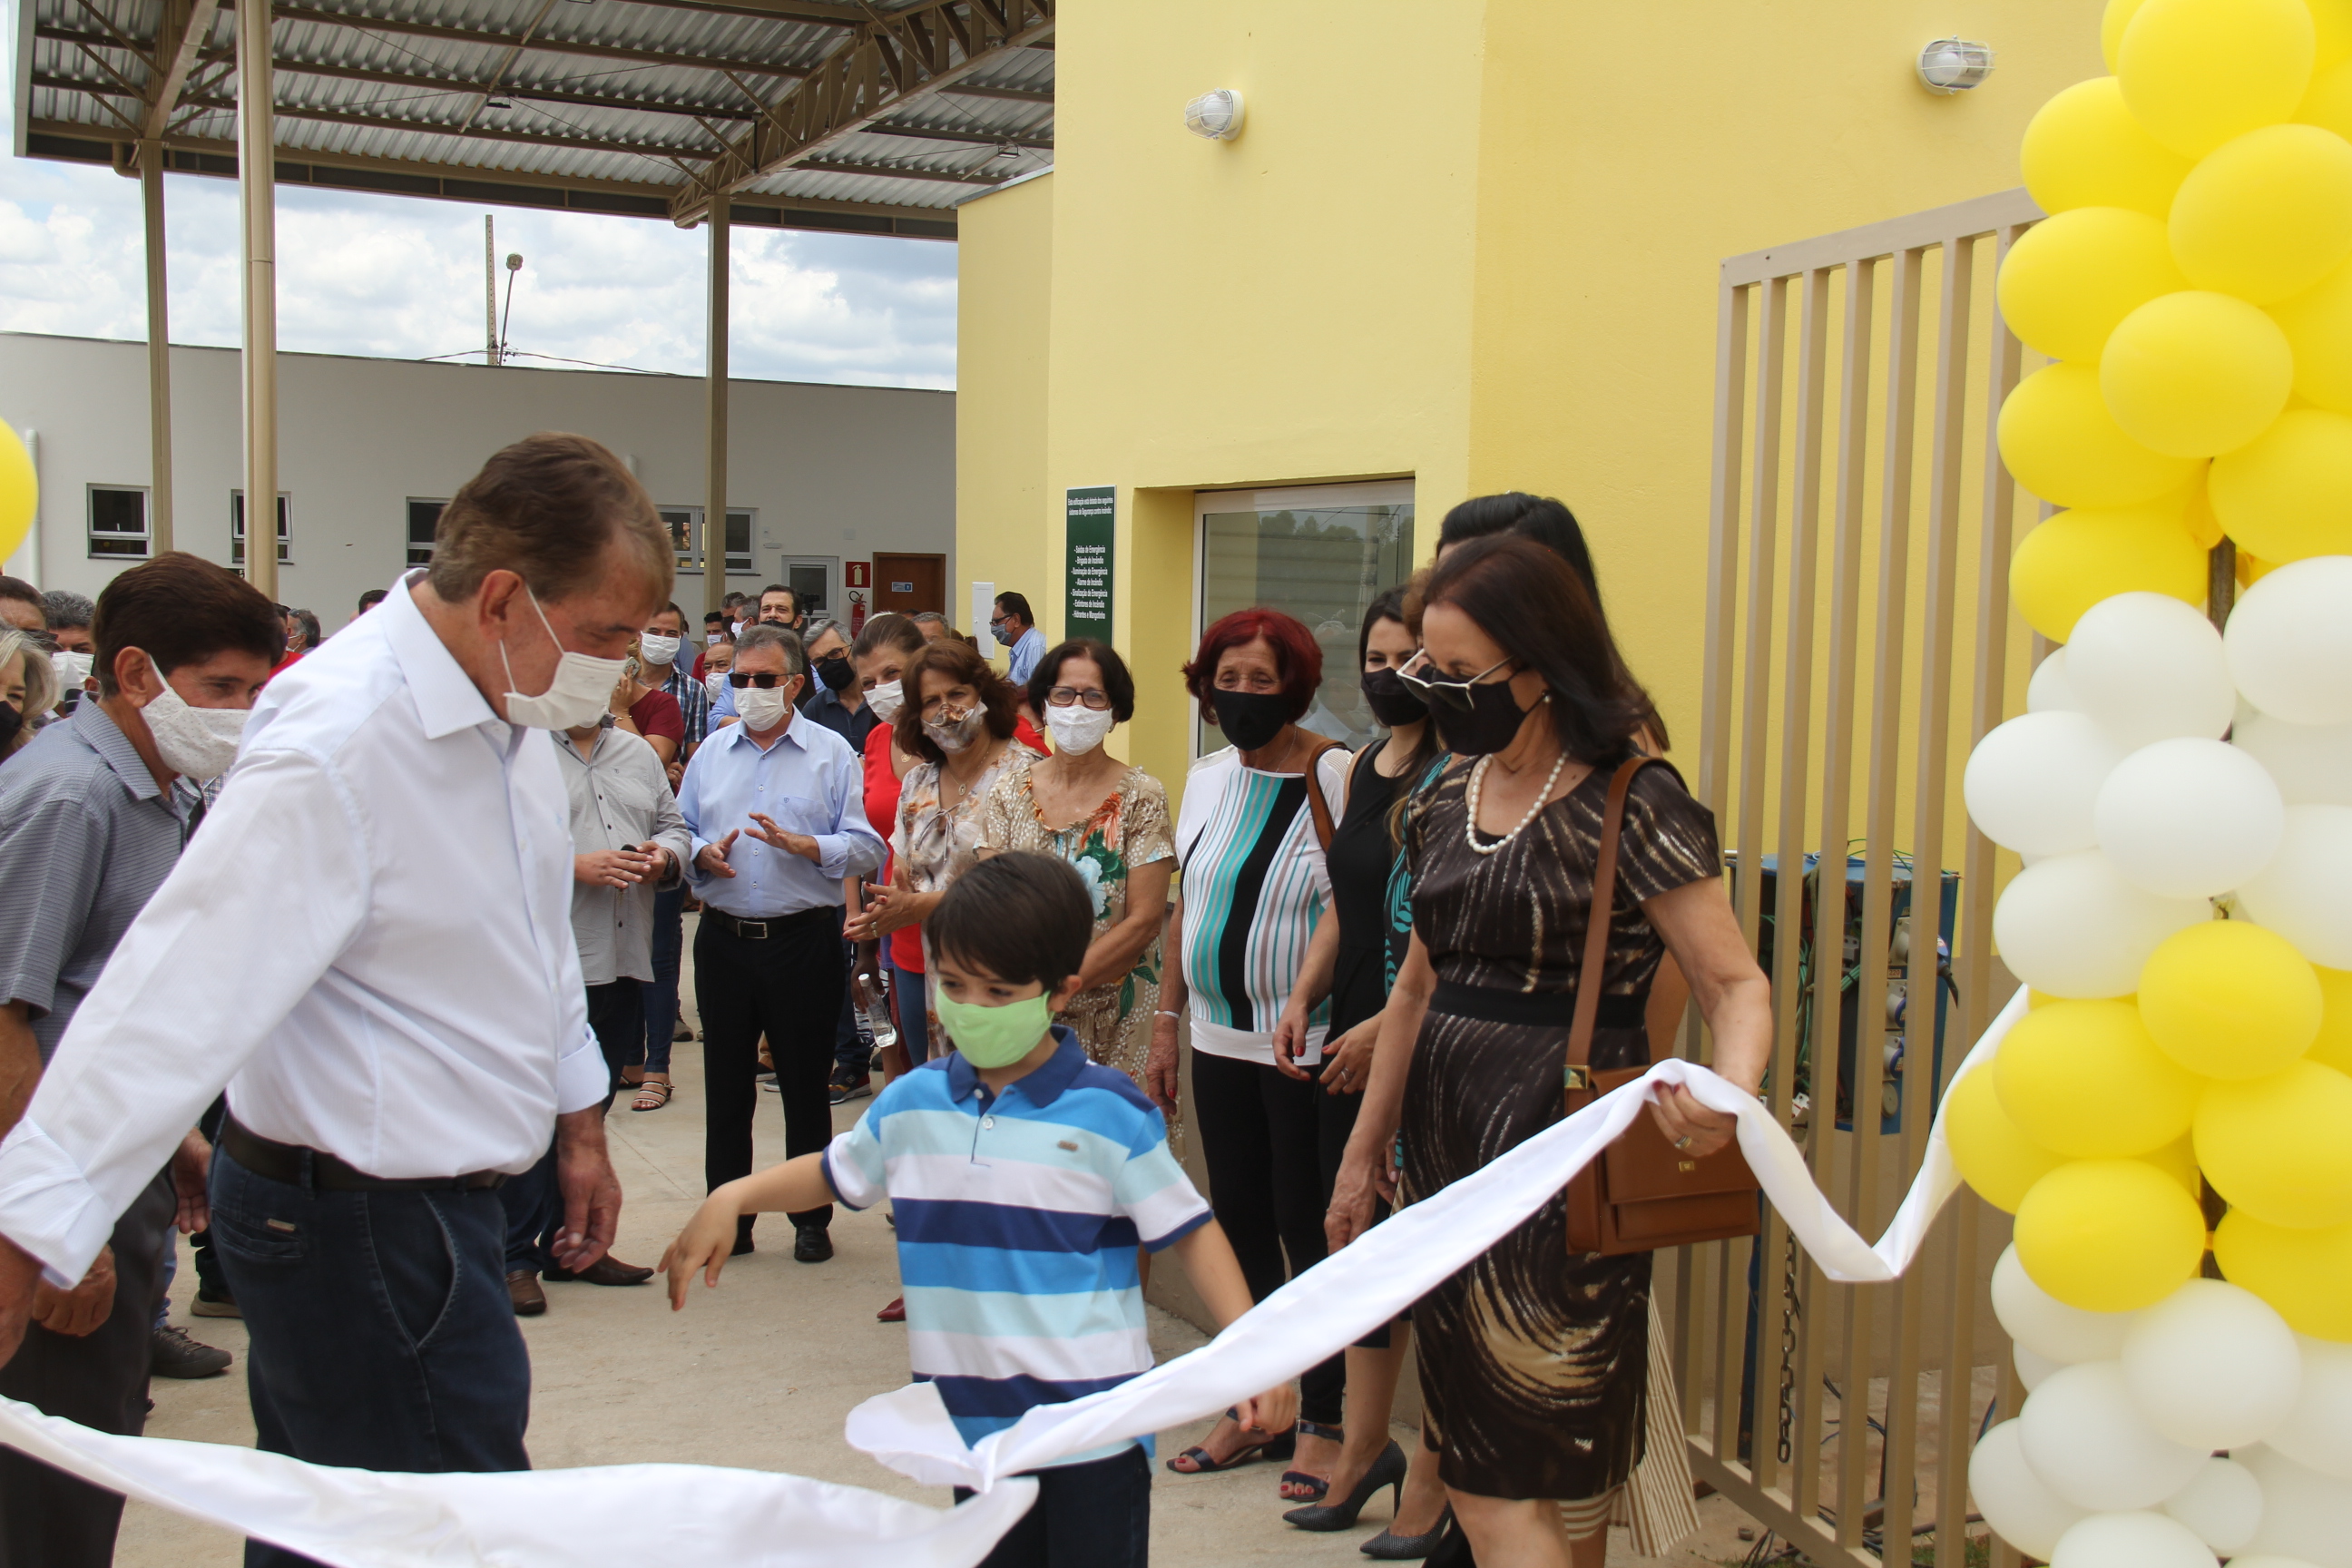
(588, 1517)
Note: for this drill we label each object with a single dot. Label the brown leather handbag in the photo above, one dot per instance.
(1642, 1193)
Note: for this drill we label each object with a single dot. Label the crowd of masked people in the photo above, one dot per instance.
(1343, 979)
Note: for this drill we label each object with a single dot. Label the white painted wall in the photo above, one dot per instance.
(831, 472)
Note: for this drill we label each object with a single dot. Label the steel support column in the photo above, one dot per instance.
(256, 180)
(714, 489)
(159, 351)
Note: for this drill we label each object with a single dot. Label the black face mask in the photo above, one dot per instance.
(1251, 718)
(1491, 724)
(834, 671)
(11, 721)
(1392, 703)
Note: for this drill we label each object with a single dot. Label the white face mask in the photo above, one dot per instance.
(713, 638)
(656, 648)
(762, 710)
(198, 742)
(887, 699)
(72, 668)
(1078, 728)
(580, 691)
(715, 683)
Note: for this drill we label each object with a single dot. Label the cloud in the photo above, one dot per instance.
(363, 274)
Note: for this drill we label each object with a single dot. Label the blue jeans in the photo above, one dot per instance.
(1095, 1515)
(909, 1006)
(533, 1207)
(661, 992)
(383, 1338)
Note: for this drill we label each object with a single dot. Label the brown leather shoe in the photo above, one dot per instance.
(522, 1288)
(606, 1270)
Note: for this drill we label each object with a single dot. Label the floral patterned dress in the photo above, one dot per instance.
(1129, 828)
(935, 845)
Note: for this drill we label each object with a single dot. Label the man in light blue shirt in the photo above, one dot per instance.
(776, 805)
(1015, 627)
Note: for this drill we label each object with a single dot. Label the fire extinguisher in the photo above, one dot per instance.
(856, 612)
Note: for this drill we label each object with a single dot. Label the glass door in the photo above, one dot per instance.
(1321, 553)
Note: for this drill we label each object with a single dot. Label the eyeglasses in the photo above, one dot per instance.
(764, 680)
(1452, 695)
(1063, 696)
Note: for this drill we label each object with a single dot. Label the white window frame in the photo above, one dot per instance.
(690, 561)
(236, 529)
(409, 546)
(145, 536)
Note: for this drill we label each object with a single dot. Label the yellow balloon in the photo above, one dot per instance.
(2196, 517)
(2267, 215)
(2196, 373)
(2334, 1047)
(2070, 279)
(1998, 1161)
(2305, 1275)
(2230, 999)
(2109, 1235)
(2038, 999)
(2083, 149)
(2060, 443)
(2287, 494)
(2331, 23)
(2199, 72)
(2280, 1147)
(2178, 1160)
(20, 491)
(2076, 559)
(2318, 327)
(2112, 23)
(2085, 1079)
(2328, 103)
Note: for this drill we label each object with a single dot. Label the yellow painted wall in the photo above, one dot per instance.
(1475, 244)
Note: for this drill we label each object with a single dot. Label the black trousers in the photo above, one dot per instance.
(1262, 1138)
(616, 1015)
(1095, 1515)
(787, 987)
(47, 1518)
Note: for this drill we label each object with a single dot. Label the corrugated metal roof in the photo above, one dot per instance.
(580, 99)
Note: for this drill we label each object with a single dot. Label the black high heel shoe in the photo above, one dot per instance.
(1392, 1548)
(1388, 1470)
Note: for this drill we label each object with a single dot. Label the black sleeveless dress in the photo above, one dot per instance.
(1533, 1361)
(1368, 894)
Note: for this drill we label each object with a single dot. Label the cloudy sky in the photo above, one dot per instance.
(376, 274)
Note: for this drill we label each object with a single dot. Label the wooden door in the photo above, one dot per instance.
(909, 584)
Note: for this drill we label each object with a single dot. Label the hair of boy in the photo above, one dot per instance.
(1019, 916)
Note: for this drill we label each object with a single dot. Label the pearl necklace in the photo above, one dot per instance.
(1543, 798)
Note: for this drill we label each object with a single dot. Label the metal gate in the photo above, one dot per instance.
(1858, 378)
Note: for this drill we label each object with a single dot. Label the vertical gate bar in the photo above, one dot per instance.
(1788, 912)
(1763, 540)
(1900, 435)
(1837, 805)
(1731, 1336)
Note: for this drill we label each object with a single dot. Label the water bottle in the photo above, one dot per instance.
(877, 1011)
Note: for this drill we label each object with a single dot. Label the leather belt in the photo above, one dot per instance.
(775, 925)
(283, 1163)
(1542, 1009)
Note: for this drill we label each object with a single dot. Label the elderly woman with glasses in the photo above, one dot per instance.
(1109, 820)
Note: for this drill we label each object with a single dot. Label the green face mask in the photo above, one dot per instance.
(996, 1037)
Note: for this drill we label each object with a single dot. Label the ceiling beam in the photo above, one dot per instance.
(285, 66)
(897, 171)
(536, 46)
(815, 12)
(873, 71)
(179, 55)
(971, 138)
(1010, 94)
(482, 134)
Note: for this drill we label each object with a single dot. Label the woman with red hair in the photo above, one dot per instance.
(1250, 839)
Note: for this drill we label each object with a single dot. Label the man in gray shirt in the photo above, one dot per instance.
(94, 816)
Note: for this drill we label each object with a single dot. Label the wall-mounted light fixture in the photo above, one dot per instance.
(1954, 65)
(1216, 115)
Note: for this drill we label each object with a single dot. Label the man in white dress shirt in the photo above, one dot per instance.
(394, 1055)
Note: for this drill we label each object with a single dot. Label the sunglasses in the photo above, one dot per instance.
(1450, 695)
(764, 680)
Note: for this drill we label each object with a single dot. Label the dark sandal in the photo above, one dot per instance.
(652, 1090)
(1313, 1489)
(1275, 1446)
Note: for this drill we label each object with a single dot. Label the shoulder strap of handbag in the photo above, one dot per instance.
(1316, 804)
(1602, 915)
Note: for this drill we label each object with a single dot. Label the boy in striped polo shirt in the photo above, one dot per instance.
(1024, 1178)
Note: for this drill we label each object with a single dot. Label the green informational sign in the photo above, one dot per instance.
(1092, 515)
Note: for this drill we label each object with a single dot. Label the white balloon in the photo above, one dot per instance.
(2131, 1541)
(2290, 641)
(2032, 1366)
(2030, 783)
(2212, 1365)
(2305, 1514)
(2223, 1505)
(2012, 1499)
(2268, 1561)
(2048, 1327)
(2317, 1433)
(2089, 1442)
(2302, 894)
(2188, 818)
(2048, 692)
(2150, 667)
(2311, 763)
(2072, 926)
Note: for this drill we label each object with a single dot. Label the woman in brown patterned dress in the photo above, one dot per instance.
(1533, 1360)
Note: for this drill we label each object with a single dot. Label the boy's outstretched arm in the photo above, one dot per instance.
(1209, 1262)
(709, 1237)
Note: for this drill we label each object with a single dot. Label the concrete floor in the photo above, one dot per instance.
(761, 1374)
